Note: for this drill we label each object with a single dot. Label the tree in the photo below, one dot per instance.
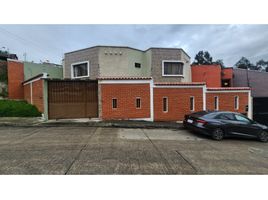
(266, 69)
(203, 58)
(262, 65)
(244, 63)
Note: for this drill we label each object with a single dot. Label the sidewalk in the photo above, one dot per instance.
(39, 122)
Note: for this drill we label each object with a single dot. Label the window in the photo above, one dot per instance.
(236, 102)
(226, 116)
(165, 104)
(216, 103)
(114, 103)
(80, 70)
(137, 65)
(172, 68)
(242, 119)
(191, 103)
(138, 102)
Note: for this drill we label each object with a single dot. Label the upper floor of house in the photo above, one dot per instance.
(162, 64)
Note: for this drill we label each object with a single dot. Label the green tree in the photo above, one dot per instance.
(203, 58)
(243, 63)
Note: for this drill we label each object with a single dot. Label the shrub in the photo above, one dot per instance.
(11, 108)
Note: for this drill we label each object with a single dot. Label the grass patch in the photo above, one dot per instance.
(10, 108)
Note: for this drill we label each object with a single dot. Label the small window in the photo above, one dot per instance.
(191, 103)
(236, 102)
(138, 102)
(165, 104)
(216, 103)
(172, 68)
(137, 65)
(114, 103)
(80, 70)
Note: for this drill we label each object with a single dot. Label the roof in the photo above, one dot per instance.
(5, 56)
(127, 47)
(228, 88)
(124, 78)
(34, 77)
(181, 83)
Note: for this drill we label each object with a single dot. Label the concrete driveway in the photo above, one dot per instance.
(92, 150)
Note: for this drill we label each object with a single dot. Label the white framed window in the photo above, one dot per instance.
(236, 102)
(114, 103)
(165, 104)
(80, 69)
(191, 103)
(172, 68)
(138, 103)
(216, 103)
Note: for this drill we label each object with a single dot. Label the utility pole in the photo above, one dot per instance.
(24, 55)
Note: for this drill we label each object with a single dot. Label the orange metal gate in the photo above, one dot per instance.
(72, 99)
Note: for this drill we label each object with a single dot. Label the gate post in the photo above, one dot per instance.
(45, 98)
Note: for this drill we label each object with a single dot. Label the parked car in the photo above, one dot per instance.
(219, 124)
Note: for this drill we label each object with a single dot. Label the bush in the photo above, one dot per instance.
(10, 108)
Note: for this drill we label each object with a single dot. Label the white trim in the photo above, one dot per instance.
(45, 75)
(13, 60)
(178, 86)
(217, 105)
(124, 81)
(204, 97)
(31, 92)
(142, 119)
(77, 63)
(175, 61)
(151, 100)
(227, 91)
(236, 97)
(250, 107)
(193, 104)
(163, 104)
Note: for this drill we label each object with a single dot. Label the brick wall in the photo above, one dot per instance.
(37, 94)
(178, 102)
(126, 95)
(211, 74)
(15, 79)
(226, 101)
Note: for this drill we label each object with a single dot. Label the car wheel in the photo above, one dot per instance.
(217, 134)
(263, 136)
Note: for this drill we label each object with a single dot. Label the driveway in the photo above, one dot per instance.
(95, 150)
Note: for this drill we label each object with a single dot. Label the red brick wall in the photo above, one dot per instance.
(211, 74)
(37, 94)
(226, 101)
(178, 102)
(126, 101)
(15, 78)
(227, 73)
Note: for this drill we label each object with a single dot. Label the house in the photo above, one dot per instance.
(114, 83)
(162, 64)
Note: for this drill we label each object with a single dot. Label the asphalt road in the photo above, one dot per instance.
(95, 150)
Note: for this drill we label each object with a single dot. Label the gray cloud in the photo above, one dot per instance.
(227, 42)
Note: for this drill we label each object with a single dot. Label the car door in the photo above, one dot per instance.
(244, 126)
(229, 122)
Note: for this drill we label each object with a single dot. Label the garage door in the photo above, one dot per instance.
(260, 110)
(72, 99)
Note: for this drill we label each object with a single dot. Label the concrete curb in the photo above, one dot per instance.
(115, 124)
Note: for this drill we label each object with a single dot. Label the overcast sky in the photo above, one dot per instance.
(50, 42)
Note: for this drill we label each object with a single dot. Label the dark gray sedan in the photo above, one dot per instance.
(219, 124)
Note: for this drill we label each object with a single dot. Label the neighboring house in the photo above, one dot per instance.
(162, 64)
(4, 55)
(18, 72)
(258, 82)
